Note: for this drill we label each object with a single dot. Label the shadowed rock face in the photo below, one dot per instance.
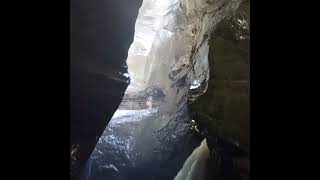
(224, 109)
(152, 140)
(101, 32)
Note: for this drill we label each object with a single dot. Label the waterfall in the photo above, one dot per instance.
(195, 165)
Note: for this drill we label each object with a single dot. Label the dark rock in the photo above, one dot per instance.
(100, 35)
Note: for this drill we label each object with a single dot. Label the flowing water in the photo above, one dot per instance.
(151, 135)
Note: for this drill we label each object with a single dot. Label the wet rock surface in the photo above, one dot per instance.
(152, 133)
(224, 110)
(153, 142)
(225, 105)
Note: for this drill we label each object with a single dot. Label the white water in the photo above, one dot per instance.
(195, 166)
(170, 52)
